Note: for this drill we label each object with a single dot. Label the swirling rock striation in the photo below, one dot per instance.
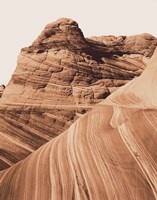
(58, 78)
(109, 153)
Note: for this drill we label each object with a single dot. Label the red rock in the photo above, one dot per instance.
(109, 153)
(58, 78)
(2, 87)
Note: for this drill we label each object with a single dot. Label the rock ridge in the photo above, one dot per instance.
(109, 153)
(60, 77)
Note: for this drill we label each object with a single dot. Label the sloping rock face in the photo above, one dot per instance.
(109, 153)
(58, 78)
(2, 87)
(136, 44)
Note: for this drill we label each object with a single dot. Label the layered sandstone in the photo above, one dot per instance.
(2, 87)
(136, 44)
(60, 77)
(109, 153)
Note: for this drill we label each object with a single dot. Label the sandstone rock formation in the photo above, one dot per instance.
(137, 44)
(58, 78)
(109, 153)
(2, 87)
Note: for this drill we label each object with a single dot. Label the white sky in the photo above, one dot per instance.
(22, 21)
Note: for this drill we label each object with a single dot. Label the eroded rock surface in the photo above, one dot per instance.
(2, 87)
(60, 77)
(109, 153)
(137, 44)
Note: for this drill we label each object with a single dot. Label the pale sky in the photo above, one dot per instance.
(22, 21)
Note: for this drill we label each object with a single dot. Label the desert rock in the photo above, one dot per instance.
(61, 76)
(2, 87)
(109, 153)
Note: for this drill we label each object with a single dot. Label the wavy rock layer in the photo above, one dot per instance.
(109, 153)
(59, 78)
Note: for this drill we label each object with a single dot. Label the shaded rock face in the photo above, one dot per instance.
(58, 78)
(137, 44)
(2, 87)
(109, 153)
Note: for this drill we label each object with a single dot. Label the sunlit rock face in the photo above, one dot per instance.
(61, 76)
(109, 153)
